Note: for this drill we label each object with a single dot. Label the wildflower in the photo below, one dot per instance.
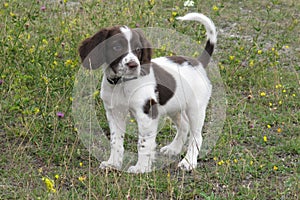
(268, 126)
(82, 178)
(68, 62)
(36, 110)
(151, 2)
(287, 47)
(5, 5)
(275, 168)
(280, 102)
(60, 114)
(43, 8)
(284, 91)
(1, 82)
(215, 8)
(251, 63)
(12, 14)
(251, 162)
(49, 184)
(259, 52)
(270, 104)
(265, 139)
(262, 94)
(221, 162)
(231, 57)
(174, 14)
(188, 3)
(65, 1)
(279, 130)
(278, 86)
(80, 164)
(235, 160)
(293, 95)
(45, 42)
(56, 176)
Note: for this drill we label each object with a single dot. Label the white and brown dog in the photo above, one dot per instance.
(176, 86)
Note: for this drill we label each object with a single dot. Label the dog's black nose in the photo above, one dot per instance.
(132, 64)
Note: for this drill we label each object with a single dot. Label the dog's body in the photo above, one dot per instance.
(149, 88)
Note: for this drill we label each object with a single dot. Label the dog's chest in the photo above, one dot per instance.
(129, 94)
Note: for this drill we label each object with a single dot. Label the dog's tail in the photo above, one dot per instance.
(211, 33)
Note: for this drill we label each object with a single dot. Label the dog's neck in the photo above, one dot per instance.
(118, 80)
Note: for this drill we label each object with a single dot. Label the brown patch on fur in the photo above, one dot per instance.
(150, 108)
(182, 59)
(165, 84)
(91, 50)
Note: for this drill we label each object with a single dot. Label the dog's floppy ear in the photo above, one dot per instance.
(146, 48)
(91, 50)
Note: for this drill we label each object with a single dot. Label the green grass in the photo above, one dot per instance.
(257, 156)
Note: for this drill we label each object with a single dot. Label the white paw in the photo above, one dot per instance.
(139, 169)
(109, 165)
(186, 165)
(170, 150)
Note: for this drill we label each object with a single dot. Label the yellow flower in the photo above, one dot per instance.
(174, 14)
(49, 184)
(279, 130)
(215, 8)
(45, 42)
(293, 95)
(251, 162)
(262, 94)
(278, 86)
(12, 14)
(65, 1)
(68, 62)
(269, 126)
(275, 168)
(270, 104)
(56, 176)
(251, 63)
(5, 5)
(36, 110)
(265, 138)
(221, 162)
(80, 164)
(235, 160)
(287, 47)
(284, 91)
(280, 102)
(231, 57)
(82, 178)
(259, 52)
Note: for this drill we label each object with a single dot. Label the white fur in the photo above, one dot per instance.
(186, 108)
(208, 23)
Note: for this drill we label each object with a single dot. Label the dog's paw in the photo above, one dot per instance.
(139, 169)
(186, 165)
(170, 150)
(108, 165)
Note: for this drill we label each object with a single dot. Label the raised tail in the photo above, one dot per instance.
(211, 33)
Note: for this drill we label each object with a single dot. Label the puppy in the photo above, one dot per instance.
(176, 86)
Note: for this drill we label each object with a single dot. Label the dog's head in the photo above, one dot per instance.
(121, 50)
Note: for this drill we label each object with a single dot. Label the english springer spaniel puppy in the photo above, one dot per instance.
(176, 86)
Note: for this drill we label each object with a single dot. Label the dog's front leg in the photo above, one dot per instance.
(117, 125)
(146, 143)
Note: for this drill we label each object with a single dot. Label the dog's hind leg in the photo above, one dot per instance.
(196, 118)
(182, 125)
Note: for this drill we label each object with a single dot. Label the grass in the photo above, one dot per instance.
(257, 156)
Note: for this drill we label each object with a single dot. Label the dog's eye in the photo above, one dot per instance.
(137, 50)
(117, 47)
